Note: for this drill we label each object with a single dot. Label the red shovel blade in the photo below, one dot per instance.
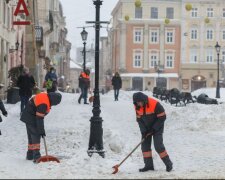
(48, 159)
(116, 169)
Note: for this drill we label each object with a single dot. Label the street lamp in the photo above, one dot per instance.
(84, 35)
(217, 46)
(96, 130)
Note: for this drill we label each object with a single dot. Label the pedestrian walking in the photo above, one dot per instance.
(2, 108)
(26, 83)
(151, 117)
(117, 85)
(51, 82)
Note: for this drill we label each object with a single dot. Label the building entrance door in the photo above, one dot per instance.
(161, 82)
(198, 82)
(137, 84)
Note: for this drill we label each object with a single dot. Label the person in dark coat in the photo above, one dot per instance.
(26, 83)
(52, 78)
(33, 116)
(4, 112)
(84, 84)
(117, 85)
(151, 117)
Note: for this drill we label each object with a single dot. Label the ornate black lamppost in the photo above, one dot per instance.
(84, 35)
(217, 46)
(96, 130)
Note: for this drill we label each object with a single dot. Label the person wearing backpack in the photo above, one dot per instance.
(51, 82)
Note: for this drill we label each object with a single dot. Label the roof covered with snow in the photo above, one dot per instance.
(74, 65)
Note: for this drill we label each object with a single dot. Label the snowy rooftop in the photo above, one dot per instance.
(74, 65)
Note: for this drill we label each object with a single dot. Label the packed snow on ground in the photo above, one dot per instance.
(194, 137)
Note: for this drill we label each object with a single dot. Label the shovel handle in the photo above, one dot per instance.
(149, 134)
(46, 150)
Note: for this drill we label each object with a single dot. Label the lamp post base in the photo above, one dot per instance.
(96, 133)
(218, 90)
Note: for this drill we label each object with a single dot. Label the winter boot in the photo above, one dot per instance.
(36, 155)
(79, 100)
(168, 163)
(148, 165)
(29, 155)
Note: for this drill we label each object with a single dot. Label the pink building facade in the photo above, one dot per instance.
(145, 49)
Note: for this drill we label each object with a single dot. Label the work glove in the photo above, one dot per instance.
(146, 134)
(43, 135)
(5, 113)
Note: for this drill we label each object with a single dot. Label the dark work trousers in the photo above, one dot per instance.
(33, 140)
(24, 101)
(84, 94)
(116, 94)
(158, 144)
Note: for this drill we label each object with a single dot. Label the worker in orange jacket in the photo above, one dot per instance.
(33, 115)
(151, 117)
(84, 84)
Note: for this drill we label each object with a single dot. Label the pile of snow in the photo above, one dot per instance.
(211, 92)
(193, 137)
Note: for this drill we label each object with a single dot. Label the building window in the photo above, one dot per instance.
(209, 12)
(138, 12)
(194, 34)
(209, 56)
(169, 60)
(170, 13)
(223, 35)
(223, 12)
(194, 12)
(209, 34)
(193, 56)
(223, 57)
(137, 61)
(153, 61)
(154, 36)
(170, 36)
(154, 13)
(138, 35)
(4, 12)
(8, 18)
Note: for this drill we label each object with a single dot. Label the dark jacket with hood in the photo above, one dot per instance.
(26, 83)
(151, 117)
(117, 82)
(38, 107)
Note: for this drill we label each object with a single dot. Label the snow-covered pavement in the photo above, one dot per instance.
(194, 137)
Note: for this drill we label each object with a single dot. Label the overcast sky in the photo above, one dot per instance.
(79, 11)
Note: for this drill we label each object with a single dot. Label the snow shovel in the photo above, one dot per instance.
(116, 167)
(47, 158)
